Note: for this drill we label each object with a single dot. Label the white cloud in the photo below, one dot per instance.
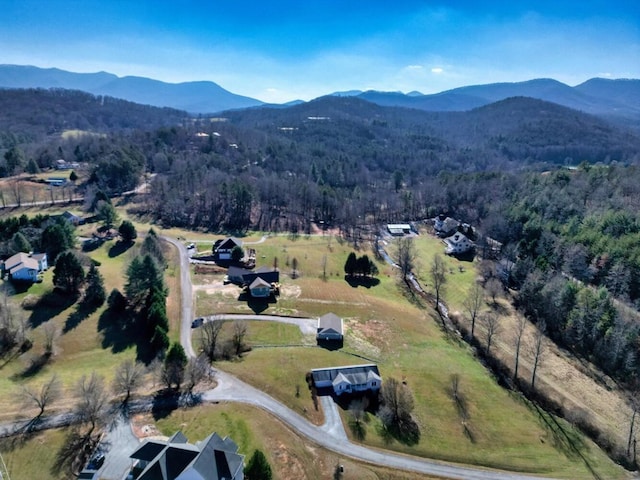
(437, 70)
(414, 67)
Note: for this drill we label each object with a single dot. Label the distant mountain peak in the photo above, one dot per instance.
(194, 97)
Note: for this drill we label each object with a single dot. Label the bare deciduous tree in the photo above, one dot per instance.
(92, 400)
(438, 277)
(196, 371)
(473, 304)
(521, 325)
(210, 332)
(397, 401)
(492, 326)
(128, 378)
(239, 333)
(495, 289)
(48, 392)
(51, 333)
(405, 255)
(538, 349)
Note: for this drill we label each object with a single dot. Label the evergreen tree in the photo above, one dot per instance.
(95, 293)
(127, 231)
(258, 467)
(174, 365)
(68, 274)
(32, 167)
(142, 275)
(237, 253)
(107, 214)
(19, 243)
(351, 265)
(57, 238)
(152, 246)
(363, 265)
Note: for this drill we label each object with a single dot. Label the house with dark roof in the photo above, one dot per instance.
(214, 458)
(458, 243)
(225, 247)
(445, 226)
(260, 283)
(330, 327)
(348, 379)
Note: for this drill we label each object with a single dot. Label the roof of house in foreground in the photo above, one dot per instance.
(330, 374)
(214, 458)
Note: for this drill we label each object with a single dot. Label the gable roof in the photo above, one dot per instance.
(259, 282)
(352, 373)
(214, 458)
(330, 322)
(15, 260)
(230, 242)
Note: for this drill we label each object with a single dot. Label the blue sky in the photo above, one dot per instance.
(284, 50)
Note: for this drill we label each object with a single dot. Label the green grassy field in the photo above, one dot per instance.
(79, 348)
(383, 323)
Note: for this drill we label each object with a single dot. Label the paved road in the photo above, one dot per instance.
(187, 296)
(308, 326)
(117, 444)
(329, 435)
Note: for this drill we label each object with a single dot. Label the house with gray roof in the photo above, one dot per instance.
(330, 327)
(214, 458)
(24, 266)
(348, 379)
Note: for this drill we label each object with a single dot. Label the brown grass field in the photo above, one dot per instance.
(385, 324)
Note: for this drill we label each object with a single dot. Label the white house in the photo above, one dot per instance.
(348, 379)
(458, 243)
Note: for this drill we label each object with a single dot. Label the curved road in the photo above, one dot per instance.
(328, 436)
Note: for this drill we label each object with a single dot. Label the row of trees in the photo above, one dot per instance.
(362, 265)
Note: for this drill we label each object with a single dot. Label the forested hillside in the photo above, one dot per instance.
(28, 115)
(558, 188)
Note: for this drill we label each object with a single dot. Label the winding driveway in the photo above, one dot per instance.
(329, 436)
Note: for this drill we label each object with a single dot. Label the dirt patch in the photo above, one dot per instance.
(143, 427)
(290, 291)
(361, 336)
(289, 467)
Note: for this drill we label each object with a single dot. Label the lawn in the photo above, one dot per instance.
(80, 347)
(405, 339)
(290, 456)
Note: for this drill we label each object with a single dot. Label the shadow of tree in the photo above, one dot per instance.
(119, 248)
(366, 282)
(122, 330)
(36, 364)
(358, 429)
(73, 454)
(164, 402)
(92, 244)
(405, 430)
(49, 305)
(82, 311)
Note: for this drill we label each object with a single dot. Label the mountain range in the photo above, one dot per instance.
(193, 97)
(616, 100)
